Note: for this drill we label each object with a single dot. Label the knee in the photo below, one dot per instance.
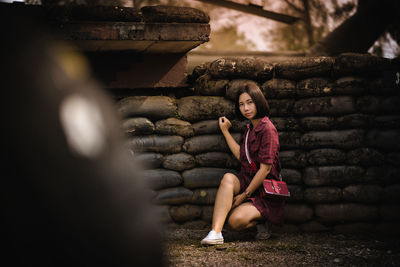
(228, 180)
(237, 222)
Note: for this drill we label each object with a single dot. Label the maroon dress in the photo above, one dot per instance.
(263, 147)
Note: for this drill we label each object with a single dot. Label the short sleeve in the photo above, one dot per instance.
(269, 145)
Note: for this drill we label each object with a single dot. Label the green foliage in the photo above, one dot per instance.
(176, 115)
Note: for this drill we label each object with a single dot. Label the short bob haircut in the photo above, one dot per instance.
(258, 98)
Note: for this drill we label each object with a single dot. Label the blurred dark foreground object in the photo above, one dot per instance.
(69, 196)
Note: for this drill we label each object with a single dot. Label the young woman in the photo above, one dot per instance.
(241, 198)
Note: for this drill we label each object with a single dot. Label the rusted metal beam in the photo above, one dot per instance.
(253, 9)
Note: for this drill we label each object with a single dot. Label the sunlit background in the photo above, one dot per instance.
(240, 32)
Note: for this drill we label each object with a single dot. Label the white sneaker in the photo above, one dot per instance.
(263, 231)
(213, 239)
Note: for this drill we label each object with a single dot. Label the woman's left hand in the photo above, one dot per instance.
(237, 200)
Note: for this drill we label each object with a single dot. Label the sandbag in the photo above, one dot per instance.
(313, 227)
(233, 87)
(292, 158)
(336, 105)
(279, 88)
(208, 143)
(161, 178)
(333, 175)
(206, 127)
(362, 193)
(390, 212)
(173, 126)
(195, 108)
(185, 213)
(281, 107)
(345, 139)
(345, 212)
(391, 194)
(216, 159)
(326, 156)
(206, 85)
(296, 193)
(386, 122)
(155, 143)
(241, 67)
(390, 104)
(323, 194)
(286, 123)
(137, 126)
(162, 214)
(154, 107)
(199, 70)
(354, 228)
(298, 213)
(289, 140)
(349, 85)
(385, 139)
(356, 64)
(204, 177)
(304, 67)
(365, 157)
(212, 127)
(312, 87)
(356, 120)
(378, 104)
(179, 162)
(385, 85)
(317, 123)
(368, 104)
(393, 158)
(204, 196)
(291, 176)
(148, 160)
(173, 196)
(207, 213)
(384, 174)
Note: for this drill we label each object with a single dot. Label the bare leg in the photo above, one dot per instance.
(228, 188)
(244, 216)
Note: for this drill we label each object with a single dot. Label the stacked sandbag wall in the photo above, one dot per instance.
(338, 120)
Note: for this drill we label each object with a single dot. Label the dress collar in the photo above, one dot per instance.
(259, 126)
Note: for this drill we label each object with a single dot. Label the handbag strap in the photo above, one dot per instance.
(280, 168)
(276, 186)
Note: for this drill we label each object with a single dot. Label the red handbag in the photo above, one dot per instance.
(272, 188)
(276, 188)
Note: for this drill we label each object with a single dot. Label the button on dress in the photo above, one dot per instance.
(263, 147)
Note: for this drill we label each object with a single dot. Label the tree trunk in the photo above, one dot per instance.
(307, 22)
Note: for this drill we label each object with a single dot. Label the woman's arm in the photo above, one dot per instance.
(257, 180)
(224, 125)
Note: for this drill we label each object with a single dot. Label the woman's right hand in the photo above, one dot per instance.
(224, 124)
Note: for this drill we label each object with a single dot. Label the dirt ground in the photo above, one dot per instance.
(182, 248)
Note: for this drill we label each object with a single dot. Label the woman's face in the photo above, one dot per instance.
(247, 107)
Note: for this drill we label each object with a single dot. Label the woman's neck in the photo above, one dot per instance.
(255, 122)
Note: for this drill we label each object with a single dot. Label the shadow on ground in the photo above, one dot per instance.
(285, 249)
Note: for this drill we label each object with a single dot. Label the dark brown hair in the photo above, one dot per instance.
(258, 98)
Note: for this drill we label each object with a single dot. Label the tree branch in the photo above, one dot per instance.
(293, 6)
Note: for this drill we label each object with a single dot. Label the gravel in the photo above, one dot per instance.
(182, 248)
